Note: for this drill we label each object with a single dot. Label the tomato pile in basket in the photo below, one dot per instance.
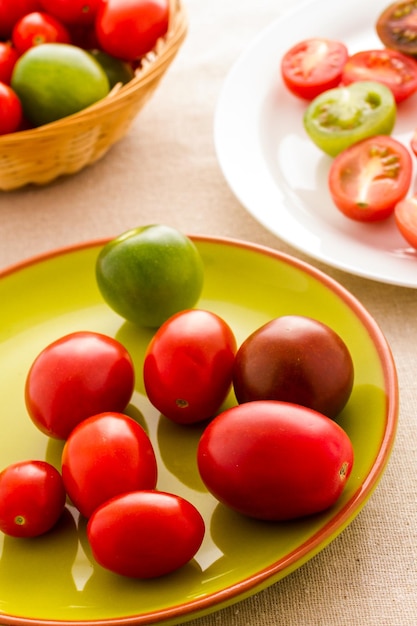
(353, 101)
(270, 446)
(57, 57)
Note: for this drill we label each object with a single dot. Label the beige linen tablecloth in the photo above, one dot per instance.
(166, 171)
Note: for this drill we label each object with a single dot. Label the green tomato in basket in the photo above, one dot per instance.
(54, 80)
(117, 71)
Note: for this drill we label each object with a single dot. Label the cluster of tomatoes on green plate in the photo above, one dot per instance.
(59, 56)
(353, 104)
(274, 452)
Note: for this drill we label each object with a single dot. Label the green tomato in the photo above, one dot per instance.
(150, 273)
(117, 71)
(340, 117)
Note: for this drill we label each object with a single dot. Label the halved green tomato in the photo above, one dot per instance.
(340, 117)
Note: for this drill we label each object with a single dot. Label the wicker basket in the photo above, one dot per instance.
(66, 146)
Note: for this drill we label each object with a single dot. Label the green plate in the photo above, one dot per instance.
(53, 579)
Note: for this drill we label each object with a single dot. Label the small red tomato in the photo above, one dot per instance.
(36, 28)
(274, 460)
(405, 215)
(367, 179)
(32, 498)
(72, 12)
(104, 456)
(128, 29)
(76, 376)
(8, 58)
(188, 366)
(298, 359)
(11, 113)
(145, 534)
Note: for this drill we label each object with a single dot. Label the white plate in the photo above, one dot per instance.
(274, 169)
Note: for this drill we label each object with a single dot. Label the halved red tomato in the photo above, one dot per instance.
(390, 67)
(405, 214)
(396, 26)
(367, 179)
(312, 66)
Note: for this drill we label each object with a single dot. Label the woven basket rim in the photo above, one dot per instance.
(165, 48)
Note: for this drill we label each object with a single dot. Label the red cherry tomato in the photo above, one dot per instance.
(367, 179)
(76, 376)
(72, 12)
(394, 69)
(11, 113)
(8, 58)
(36, 28)
(405, 214)
(104, 456)
(13, 10)
(128, 29)
(274, 460)
(145, 534)
(313, 66)
(32, 498)
(188, 366)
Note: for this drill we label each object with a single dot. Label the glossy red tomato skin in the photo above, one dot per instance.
(381, 168)
(104, 456)
(145, 534)
(11, 113)
(13, 10)
(32, 498)
(298, 359)
(76, 376)
(405, 215)
(36, 28)
(275, 461)
(390, 67)
(72, 12)
(313, 66)
(188, 366)
(8, 58)
(129, 29)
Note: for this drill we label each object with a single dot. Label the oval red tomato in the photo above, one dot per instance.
(104, 456)
(390, 67)
(367, 179)
(313, 66)
(145, 534)
(129, 29)
(8, 58)
(36, 28)
(76, 376)
(11, 112)
(188, 365)
(405, 214)
(274, 460)
(296, 359)
(72, 12)
(32, 498)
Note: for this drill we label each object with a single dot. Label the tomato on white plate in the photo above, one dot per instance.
(405, 214)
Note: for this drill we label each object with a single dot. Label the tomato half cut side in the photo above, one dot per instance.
(312, 66)
(368, 179)
(405, 214)
(390, 67)
(396, 26)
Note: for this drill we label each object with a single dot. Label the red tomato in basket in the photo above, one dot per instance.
(367, 179)
(129, 29)
(405, 214)
(390, 67)
(36, 28)
(77, 376)
(313, 66)
(8, 58)
(32, 498)
(72, 12)
(11, 113)
(13, 10)
(104, 456)
(274, 460)
(145, 534)
(188, 366)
